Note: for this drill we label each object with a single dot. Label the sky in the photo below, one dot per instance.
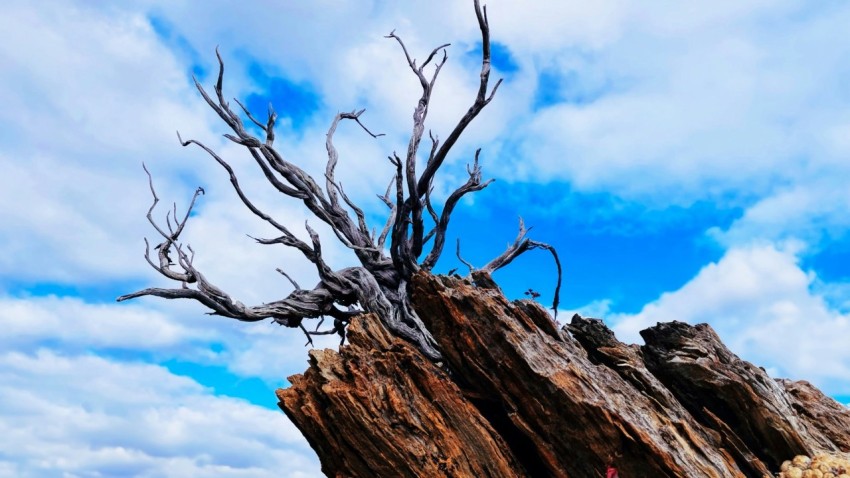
(689, 160)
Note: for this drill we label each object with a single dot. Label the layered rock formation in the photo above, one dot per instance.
(517, 396)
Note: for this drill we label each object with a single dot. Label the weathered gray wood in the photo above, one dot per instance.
(379, 284)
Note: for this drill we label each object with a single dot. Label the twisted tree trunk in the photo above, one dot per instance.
(517, 396)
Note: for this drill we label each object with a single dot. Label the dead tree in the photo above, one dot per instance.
(388, 259)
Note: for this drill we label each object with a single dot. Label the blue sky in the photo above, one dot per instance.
(689, 161)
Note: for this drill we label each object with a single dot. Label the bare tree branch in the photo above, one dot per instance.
(414, 206)
(379, 284)
(520, 245)
(291, 280)
(250, 117)
(481, 100)
(391, 218)
(164, 248)
(461, 259)
(472, 184)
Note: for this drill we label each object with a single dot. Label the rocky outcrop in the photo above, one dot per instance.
(820, 412)
(717, 386)
(517, 396)
(379, 408)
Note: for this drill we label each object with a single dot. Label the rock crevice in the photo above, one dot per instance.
(517, 396)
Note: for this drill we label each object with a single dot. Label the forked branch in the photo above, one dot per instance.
(379, 284)
(520, 245)
(290, 311)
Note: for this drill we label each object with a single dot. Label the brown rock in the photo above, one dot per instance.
(820, 412)
(715, 385)
(628, 361)
(379, 408)
(576, 414)
(517, 396)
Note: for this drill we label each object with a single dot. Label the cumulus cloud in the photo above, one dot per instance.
(665, 105)
(763, 306)
(594, 309)
(154, 328)
(719, 106)
(736, 102)
(814, 213)
(90, 94)
(75, 323)
(85, 416)
(105, 95)
(89, 97)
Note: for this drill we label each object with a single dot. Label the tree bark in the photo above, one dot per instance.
(519, 396)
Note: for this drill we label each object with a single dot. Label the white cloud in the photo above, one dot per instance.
(103, 82)
(720, 106)
(88, 97)
(164, 329)
(85, 416)
(105, 95)
(740, 100)
(726, 102)
(546, 27)
(762, 305)
(595, 309)
(814, 213)
(75, 323)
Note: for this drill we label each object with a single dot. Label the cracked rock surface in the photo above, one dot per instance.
(518, 396)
